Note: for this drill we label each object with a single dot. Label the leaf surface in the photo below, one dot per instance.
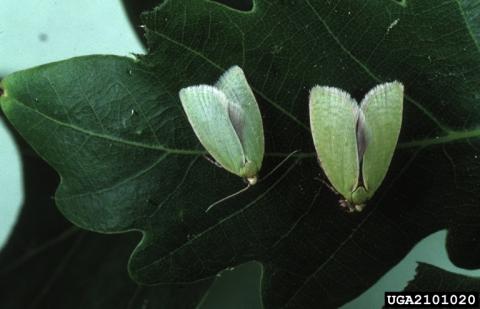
(114, 130)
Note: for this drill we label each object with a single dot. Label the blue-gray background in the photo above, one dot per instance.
(34, 32)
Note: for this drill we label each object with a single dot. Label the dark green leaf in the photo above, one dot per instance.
(48, 263)
(114, 130)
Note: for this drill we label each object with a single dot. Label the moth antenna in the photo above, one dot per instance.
(211, 160)
(249, 185)
(228, 197)
(279, 164)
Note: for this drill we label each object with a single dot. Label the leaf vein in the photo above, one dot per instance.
(219, 223)
(367, 70)
(129, 143)
(220, 68)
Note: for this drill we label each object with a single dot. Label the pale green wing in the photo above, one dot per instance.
(245, 114)
(382, 109)
(333, 118)
(207, 111)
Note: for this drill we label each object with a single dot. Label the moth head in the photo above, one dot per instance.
(360, 207)
(252, 180)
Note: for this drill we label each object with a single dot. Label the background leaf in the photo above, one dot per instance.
(49, 263)
(114, 130)
(432, 278)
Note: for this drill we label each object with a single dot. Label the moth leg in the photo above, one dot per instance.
(328, 185)
(211, 160)
(346, 206)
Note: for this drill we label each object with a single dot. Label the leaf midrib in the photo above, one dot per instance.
(111, 138)
(451, 136)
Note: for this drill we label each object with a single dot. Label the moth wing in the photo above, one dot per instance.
(244, 114)
(208, 113)
(237, 117)
(382, 109)
(333, 119)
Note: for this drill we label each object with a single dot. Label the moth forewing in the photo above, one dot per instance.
(349, 138)
(237, 117)
(234, 85)
(227, 121)
(382, 108)
(207, 111)
(333, 120)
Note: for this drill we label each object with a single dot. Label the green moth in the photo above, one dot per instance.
(355, 143)
(226, 119)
